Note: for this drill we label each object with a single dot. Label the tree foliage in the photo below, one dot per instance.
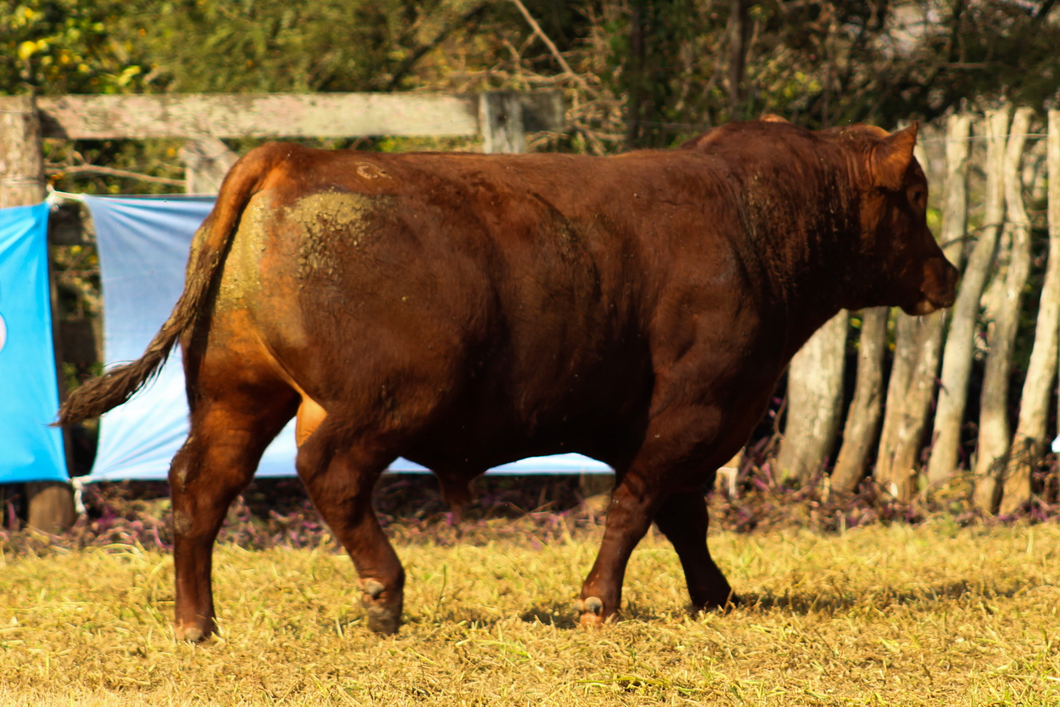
(66, 46)
(665, 63)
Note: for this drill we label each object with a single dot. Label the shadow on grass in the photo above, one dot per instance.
(562, 615)
(558, 614)
(835, 602)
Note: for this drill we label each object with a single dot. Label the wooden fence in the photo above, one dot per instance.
(989, 174)
(501, 118)
(984, 170)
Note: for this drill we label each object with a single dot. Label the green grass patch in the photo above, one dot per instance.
(882, 615)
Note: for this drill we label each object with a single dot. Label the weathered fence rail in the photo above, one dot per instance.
(317, 115)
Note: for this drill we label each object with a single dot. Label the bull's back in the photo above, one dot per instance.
(523, 286)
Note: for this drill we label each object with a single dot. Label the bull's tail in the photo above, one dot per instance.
(117, 385)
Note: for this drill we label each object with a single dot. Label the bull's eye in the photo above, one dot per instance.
(918, 197)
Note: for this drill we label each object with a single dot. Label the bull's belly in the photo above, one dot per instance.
(472, 440)
(479, 438)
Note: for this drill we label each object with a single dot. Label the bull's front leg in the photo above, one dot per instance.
(679, 443)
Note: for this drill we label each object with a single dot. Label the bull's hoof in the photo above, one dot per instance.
(591, 610)
(383, 620)
(730, 602)
(373, 589)
(191, 634)
(384, 615)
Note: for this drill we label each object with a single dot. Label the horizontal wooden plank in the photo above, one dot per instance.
(256, 115)
(92, 117)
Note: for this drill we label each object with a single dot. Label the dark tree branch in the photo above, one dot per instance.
(738, 26)
(112, 172)
(635, 69)
(1046, 6)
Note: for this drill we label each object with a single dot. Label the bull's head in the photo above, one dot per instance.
(906, 266)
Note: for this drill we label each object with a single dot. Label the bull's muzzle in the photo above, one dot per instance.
(939, 288)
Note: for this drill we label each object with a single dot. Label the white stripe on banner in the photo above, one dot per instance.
(143, 248)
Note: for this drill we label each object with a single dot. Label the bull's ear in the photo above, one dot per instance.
(773, 118)
(891, 158)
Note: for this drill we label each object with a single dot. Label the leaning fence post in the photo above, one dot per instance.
(500, 116)
(863, 418)
(1030, 440)
(1003, 311)
(815, 402)
(957, 356)
(206, 162)
(51, 504)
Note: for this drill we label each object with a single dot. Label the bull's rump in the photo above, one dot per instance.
(526, 299)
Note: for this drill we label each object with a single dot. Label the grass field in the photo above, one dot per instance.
(890, 615)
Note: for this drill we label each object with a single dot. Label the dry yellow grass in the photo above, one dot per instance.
(933, 615)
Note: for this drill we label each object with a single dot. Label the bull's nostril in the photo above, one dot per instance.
(947, 284)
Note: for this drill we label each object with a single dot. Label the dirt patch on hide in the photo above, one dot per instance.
(241, 279)
(330, 220)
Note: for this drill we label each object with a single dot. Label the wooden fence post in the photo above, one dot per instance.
(51, 504)
(815, 402)
(21, 159)
(896, 481)
(919, 344)
(500, 115)
(957, 356)
(1030, 439)
(863, 419)
(995, 435)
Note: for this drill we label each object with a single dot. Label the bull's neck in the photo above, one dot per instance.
(802, 231)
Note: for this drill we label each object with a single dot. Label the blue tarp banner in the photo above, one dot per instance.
(143, 249)
(30, 450)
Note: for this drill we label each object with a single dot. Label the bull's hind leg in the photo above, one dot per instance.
(217, 461)
(683, 519)
(340, 475)
(455, 482)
